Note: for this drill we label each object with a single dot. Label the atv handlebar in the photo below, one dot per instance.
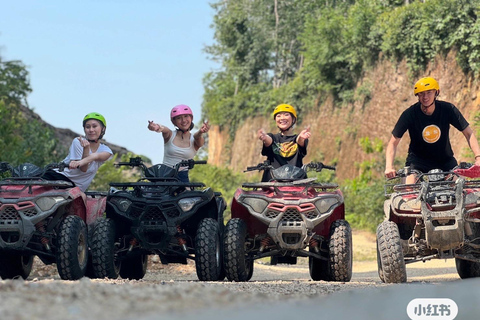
(30, 170)
(59, 165)
(138, 162)
(463, 169)
(317, 166)
(190, 163)
(259, 167)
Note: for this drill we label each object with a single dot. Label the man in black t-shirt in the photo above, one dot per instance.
(428, 123)
(284, 147)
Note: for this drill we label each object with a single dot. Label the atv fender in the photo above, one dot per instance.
(387, 208)
(95, 208)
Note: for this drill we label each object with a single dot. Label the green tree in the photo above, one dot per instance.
(23, 140)
(108, 173)
(14, 82)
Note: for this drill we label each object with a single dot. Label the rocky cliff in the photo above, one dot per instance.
(336, 131)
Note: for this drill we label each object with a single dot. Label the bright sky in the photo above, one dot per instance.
(130, 60)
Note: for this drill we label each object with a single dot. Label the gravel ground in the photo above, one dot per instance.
(174, 291)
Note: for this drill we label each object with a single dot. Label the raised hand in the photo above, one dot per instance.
(83, 142)
(205, 127)
(305, 134)
(262, 135)
(152, 126)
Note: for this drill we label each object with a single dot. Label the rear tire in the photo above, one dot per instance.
(208, 251)
(104, 262)
(14, 266)
(392, 263)
(72, 255)
(237, 267)
(467, 269)
(134, 268)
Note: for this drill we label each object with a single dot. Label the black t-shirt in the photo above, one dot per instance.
(429, 134)
(284, 150)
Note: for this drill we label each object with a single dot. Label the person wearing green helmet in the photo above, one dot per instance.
(428, 123)
(284, 147)
(86, 154)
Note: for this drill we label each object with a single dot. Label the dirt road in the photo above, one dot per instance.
(173, 291)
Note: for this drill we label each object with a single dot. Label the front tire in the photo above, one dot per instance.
(389, 247)
(467, 269)
(340, 249)
(134, 268)
(237, 267)
(208, 251)
(104, 262)
(13, 266)
(72, 255)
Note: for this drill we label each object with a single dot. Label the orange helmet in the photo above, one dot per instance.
(425, 84)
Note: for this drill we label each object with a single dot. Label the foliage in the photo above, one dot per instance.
(364, 193)
(364, 203)
(221, 180)
(421, 31)
(300, 51)
(14, 82)
(23, 140)
(108, 173)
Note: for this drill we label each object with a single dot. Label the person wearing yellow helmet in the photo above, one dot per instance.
(284, 147)
(86, 154)
(180, 144)
(428, 122)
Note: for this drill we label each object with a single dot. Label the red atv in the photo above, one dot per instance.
(288, 217)
(45, 218)
(437, 217)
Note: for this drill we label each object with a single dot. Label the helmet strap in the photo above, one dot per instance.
(182, 131)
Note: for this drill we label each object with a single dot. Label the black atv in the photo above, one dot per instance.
(161, 215)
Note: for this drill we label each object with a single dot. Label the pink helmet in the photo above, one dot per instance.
(180, 110)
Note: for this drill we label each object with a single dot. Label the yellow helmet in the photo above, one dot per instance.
(425, 84)
(285, 108)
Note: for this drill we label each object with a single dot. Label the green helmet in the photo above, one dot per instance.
(95, 116)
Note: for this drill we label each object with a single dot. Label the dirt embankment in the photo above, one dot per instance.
(382, 95)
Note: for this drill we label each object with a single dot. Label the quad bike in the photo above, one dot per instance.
(437, 217)
(288, 217)
(159, 215)
(44, 218)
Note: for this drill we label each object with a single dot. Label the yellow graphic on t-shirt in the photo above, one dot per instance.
(286, 149)
(431, 133)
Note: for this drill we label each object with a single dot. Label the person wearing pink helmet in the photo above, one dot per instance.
(180, 144)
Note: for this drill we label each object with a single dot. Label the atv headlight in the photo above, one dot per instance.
(47, 203)
(186, 204)
(324, 205)
(121, 203)
(258, 205)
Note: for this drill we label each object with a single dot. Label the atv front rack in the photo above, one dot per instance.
(126, 185)
(296, 183)
(31, 183)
